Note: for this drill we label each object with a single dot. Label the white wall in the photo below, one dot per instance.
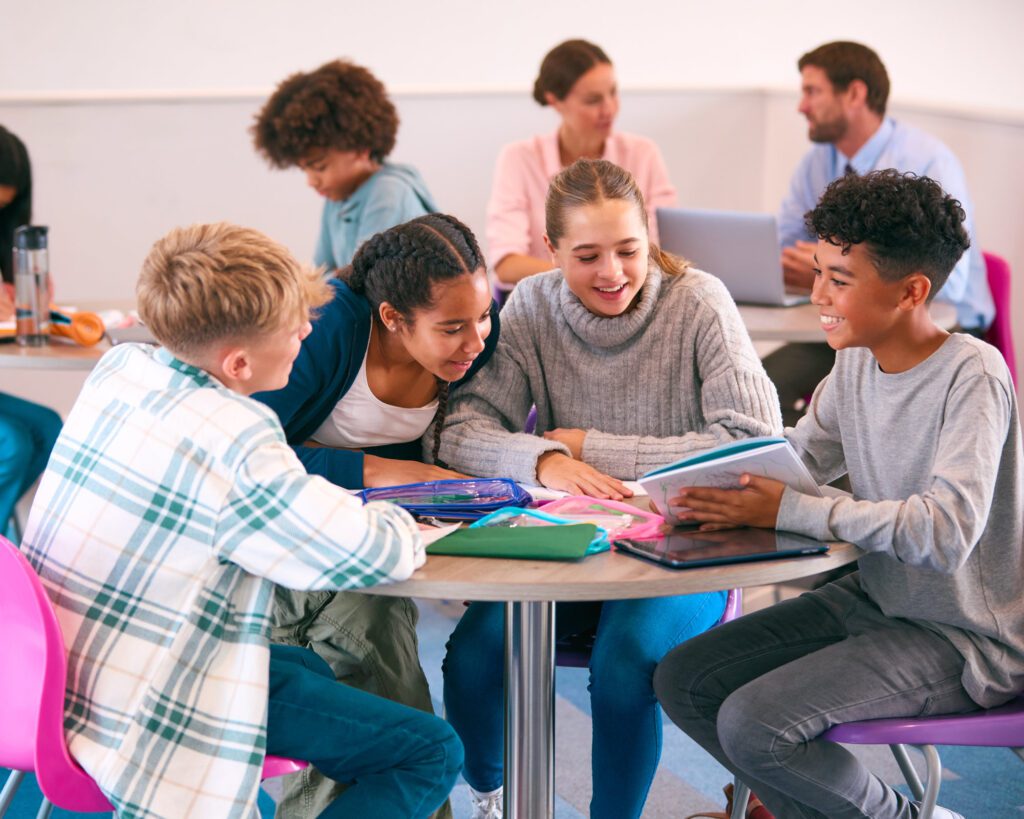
(136, 113)
(943, 51)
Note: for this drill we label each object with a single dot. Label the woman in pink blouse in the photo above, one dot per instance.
(577, 80)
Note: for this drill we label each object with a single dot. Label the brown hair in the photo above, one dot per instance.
(340, 105)
(563, 65)
(204, 284)
(843, 62)
(590, 182)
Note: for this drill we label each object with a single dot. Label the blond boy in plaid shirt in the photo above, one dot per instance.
(170, 508)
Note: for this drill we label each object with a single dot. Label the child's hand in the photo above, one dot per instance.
(572, 438)
(558, 471)
(379, 471)
(756, 504)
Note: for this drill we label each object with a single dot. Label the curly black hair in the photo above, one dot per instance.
(340, 105)
(400, 266)
(906, 223)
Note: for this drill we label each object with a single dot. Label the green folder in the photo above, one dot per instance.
(568, 542)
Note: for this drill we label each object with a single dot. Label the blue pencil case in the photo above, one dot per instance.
(467, 499)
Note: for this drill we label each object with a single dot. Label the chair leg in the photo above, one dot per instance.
(740, 797)
(45, 809)
(931, 790)
(907, 768)
(10, 788)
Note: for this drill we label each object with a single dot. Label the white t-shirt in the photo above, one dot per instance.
(360, 419)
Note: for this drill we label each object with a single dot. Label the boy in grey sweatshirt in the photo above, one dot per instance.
(925, 424)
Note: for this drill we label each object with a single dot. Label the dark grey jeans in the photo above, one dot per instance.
(757, 692)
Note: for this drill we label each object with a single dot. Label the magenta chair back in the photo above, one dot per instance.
(1000, 334)
(33, 676)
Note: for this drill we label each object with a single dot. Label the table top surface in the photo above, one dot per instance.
(607, 576)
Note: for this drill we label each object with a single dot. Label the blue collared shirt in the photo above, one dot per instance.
(905, 148)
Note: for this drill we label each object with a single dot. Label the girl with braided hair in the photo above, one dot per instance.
(633, 359)
(410, 319)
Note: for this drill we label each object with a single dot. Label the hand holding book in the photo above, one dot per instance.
(755, 503)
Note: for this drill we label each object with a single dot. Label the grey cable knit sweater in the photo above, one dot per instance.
(674, 375)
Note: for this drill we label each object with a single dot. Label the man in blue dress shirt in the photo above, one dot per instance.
(844, 90)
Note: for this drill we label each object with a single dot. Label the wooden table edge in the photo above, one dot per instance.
(495, 579)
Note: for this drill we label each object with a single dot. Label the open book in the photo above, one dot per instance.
(722, 466)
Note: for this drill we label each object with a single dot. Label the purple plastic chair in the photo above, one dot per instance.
(33, 674)
(1001, 727)
(1000, 334)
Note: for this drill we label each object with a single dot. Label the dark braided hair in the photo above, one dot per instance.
(401, 265)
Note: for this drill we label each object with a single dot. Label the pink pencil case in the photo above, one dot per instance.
(620, 519)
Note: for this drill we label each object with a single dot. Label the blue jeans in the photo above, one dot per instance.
(27, 434)
(402, 762)
(632, 637)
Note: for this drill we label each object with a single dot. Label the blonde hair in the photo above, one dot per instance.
(590, 182)
(204, 284)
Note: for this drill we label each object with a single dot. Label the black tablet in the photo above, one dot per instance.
(684, 548)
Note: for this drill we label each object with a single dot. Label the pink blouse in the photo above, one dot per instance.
(515, 213)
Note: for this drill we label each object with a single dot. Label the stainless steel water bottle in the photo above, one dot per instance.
(31, 285)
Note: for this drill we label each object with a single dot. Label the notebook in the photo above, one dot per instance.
(741, 249)
(687, 548)
(722, 466)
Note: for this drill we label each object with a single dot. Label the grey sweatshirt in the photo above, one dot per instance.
(674, 375)
(934, 459)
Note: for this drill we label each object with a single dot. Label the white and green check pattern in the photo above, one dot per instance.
(169, 509)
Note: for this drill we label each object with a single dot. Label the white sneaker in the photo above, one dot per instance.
(944, 813)
(486, 805)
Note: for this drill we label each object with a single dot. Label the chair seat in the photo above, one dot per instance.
(274, 766)
(1001, 727)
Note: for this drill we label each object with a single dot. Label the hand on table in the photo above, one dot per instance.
(571, 438)
(556, 470)
(798, 265)
(756, 504)
(379, 471)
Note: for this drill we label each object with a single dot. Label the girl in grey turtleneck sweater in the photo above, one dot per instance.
(632, 360)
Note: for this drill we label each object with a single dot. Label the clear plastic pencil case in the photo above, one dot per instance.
(621, 520)
(466, 499)
(522, 518)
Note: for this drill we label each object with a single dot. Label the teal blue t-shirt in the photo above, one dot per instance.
(394, 194)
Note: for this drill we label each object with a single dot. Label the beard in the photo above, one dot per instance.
(829, 131)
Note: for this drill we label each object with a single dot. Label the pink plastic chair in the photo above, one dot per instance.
(1001, 727)
(33, 673)
(1000, 334)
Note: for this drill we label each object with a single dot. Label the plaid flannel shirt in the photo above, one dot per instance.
(169, 509)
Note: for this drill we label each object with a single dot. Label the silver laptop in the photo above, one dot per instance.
(741, 249)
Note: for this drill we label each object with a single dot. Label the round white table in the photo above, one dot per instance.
(529, 589)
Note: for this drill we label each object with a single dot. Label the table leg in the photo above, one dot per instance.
(530, 710)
